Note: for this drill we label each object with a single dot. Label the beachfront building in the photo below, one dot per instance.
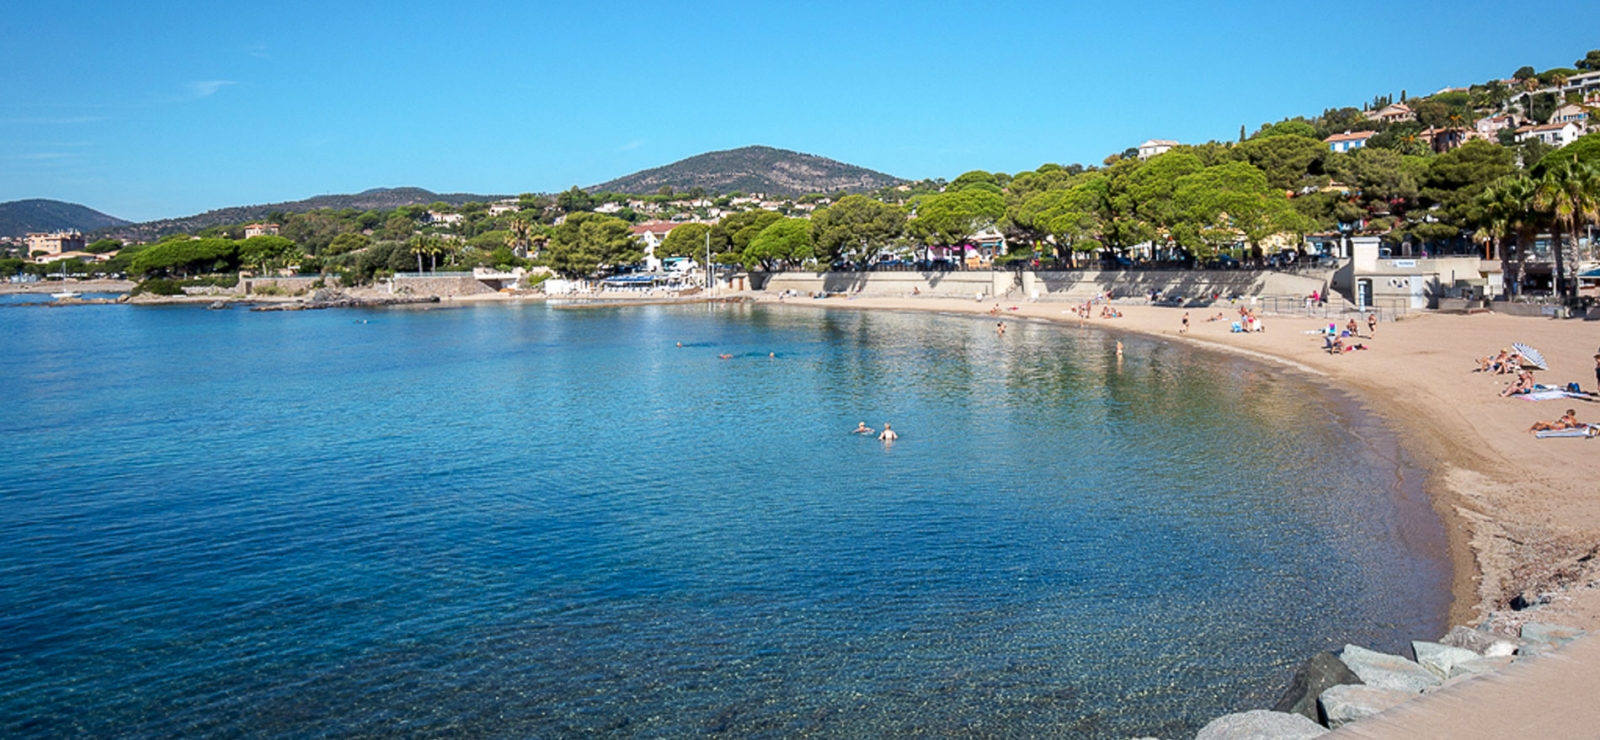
(651, 234)
(55, 242)
(1373, 278)
(1156, 146)
(1348, 141)
(253, 230)
(1555, 134)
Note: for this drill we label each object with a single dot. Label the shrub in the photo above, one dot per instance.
(159, 286)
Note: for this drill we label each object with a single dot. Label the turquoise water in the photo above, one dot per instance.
(515, 521)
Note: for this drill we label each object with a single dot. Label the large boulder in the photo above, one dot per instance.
(1387, 671)
(1342, 705)
(1260, 724)
(1553, 635)
(1319, 673)
(1483, 643)
(1480, 666)
(1440, 658)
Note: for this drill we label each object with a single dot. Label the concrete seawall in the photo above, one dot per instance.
(1064, 285)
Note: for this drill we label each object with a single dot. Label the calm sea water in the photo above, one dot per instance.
(525, 522)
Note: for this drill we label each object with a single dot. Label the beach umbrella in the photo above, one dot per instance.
(1530, 356)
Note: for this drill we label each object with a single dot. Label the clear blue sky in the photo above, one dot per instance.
(157, 109)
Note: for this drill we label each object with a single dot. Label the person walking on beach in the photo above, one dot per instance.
(1597, 372)
(1372, 324)
(888, 434)
(1185, 328)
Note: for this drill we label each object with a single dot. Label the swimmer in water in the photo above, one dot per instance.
(724, 357)
(888, 434)
(862, 428)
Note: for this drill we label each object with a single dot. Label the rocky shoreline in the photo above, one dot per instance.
(1332, 690)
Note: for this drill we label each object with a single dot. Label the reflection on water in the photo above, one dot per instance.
(515, 521)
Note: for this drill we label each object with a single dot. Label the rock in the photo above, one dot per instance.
(1342, 705)
(1387, 671)
(1480, 666)
(1321, 672)
(1553, 635)
(1486, 644)
(1439, 658)
(1260, 724)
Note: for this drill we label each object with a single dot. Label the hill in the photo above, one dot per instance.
(374, 199)
(19, 217)
(753, 169)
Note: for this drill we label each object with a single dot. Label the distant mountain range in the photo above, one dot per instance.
(374, 199)
(19, 217)
(753, 169)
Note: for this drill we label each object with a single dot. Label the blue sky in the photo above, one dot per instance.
(158, 109)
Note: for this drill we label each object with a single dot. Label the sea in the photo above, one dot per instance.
(530, 521)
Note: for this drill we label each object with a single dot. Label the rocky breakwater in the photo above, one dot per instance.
(328, 298)
(1330, 691)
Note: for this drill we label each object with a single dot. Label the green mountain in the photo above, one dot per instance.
(753, 169)
(374, 199)
(19, 217)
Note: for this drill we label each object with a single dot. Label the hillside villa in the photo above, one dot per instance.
(253, 230)
(1155, 146)
(1392, 113)
(1555, 134)
(1348, 141)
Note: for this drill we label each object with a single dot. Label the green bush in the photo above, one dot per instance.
(159, 286)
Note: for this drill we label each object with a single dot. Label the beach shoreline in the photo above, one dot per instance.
(1520, 514)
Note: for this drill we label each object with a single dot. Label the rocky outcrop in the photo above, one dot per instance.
(1345, 704)
(1551, 635)
(1318, 674)
(1387, 671)
(1483, 643)
(1479, 666)
(1441, 658)
(1261, 724)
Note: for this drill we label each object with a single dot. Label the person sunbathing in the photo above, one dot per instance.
(1523, 384)
(1568, 421)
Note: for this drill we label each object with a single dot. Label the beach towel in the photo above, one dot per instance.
(1543, 395)
(1237, 329)
(1584, 430)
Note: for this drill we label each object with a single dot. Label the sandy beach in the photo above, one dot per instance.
(1523, 514)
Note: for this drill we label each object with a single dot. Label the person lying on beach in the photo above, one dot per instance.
(888, 434)
(862, 428)
(1493, 362)
(1218, 317)
(1523, 384)
(1511, 366)
(1568, 421)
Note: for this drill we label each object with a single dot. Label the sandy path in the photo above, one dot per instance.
(1523, 513)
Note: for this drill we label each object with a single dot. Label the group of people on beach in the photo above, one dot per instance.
(1505, 363)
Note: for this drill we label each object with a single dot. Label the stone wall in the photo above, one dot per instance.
(296, 285)
(1065, 285)
(442, 284)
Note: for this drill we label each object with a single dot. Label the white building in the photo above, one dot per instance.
(446, 219)
(1155, 146)
(251, 230)
(1348, 141)
(1570, 112)
(1555, 134)
(503, 207)
(651, 234)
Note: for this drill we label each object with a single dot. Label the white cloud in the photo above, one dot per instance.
(632, 145)
(207, 88)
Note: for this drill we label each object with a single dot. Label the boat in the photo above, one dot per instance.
(67, 294)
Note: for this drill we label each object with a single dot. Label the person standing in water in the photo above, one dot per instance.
(888, 434)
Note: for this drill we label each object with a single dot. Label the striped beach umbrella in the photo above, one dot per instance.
(1530, 356)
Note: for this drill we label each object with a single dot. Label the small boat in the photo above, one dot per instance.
(66, 294)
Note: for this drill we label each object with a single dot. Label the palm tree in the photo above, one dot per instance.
(1508, 211)
(517, 236)
(1569, 193)
(419, 245)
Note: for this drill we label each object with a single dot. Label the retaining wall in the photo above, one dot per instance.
(1071, 285)
(440, 285)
